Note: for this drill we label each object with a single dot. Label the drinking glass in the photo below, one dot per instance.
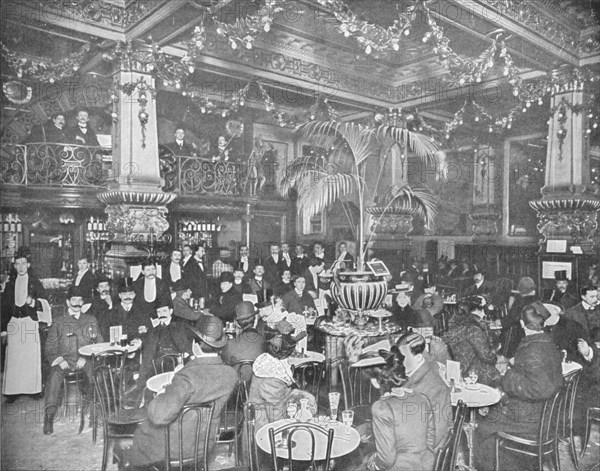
(334, 402)
(292, 410)
(347, 419)
(93, 335)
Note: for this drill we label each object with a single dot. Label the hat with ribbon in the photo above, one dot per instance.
(210, 331)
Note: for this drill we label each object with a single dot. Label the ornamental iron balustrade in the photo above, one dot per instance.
(70, 165)
(200, 175)
(50, 164)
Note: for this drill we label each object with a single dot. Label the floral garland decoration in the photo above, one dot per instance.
(129, 89)
(370, 36)
(244, 31)
(42, 70)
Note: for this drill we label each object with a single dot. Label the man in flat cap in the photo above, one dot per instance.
(204, 379)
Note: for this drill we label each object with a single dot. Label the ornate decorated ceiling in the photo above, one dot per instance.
(310, 48)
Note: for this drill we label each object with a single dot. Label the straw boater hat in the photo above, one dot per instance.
(555, 310)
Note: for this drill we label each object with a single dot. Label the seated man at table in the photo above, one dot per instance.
(423, 377)
(181, 303)
(259, 286)
(168, 336)
(298, 300)
(535, 377)
(224, 302)
(248, 344)
(204, 379)
(125, 313)
(67, 334)
(102, 305)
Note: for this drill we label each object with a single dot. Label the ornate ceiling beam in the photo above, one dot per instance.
(153, 19)
(502, 19)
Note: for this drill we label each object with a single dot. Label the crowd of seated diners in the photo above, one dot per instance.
(245, 321)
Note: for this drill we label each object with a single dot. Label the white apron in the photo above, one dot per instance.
(23, 366)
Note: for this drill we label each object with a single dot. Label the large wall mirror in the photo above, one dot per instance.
(524, 173)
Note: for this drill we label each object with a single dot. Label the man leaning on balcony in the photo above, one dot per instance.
(52, 130)
(180, 146)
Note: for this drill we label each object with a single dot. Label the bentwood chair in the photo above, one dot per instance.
(167, 362)
(117, 423)
(358, 392)
(305, 431)
(114, 359)
(546, 443)
(571, 381)
(308, 376)
(445, 459)
(593, 415)
(231, 422)
(250, 431)
(201, 416)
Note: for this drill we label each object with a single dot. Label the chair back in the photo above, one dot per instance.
(244, 369)
(250, 431)
(166, 363)
(445, 459)
(106, 386)
(231, 422)
(308, 376)
(200, 414)
(314, 433)
(571, 381)
(549, 422)
(358, 392)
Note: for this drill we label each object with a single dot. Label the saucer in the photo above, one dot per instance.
(472, 387)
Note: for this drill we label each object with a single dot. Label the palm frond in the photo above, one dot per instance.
(422, 145)
(318, 190)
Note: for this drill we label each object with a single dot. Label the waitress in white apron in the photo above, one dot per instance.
(20, 329)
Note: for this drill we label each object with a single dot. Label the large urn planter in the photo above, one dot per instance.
(358, 291)
(397, 221)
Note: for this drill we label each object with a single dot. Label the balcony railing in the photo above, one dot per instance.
(49, 164)
(198, 175)
(69, 165)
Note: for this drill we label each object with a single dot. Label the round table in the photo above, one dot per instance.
(160, 381)
(97, 348)
(310, 356)
(343, 443)
(336, 332)
(475, 396)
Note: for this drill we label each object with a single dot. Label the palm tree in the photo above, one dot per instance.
(319, 183)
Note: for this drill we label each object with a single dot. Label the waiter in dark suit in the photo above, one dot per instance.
(150, 290)
(82, 133)
(180, 146)
(84, 279)
(20, 303)
(194, 271)
(560, 294)
(272, 265)
(172, 271)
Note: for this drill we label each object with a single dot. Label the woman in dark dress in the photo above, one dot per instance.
(469, 341)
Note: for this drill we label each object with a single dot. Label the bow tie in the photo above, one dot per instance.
(82, 127)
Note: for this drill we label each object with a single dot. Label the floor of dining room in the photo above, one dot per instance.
(25, 447)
